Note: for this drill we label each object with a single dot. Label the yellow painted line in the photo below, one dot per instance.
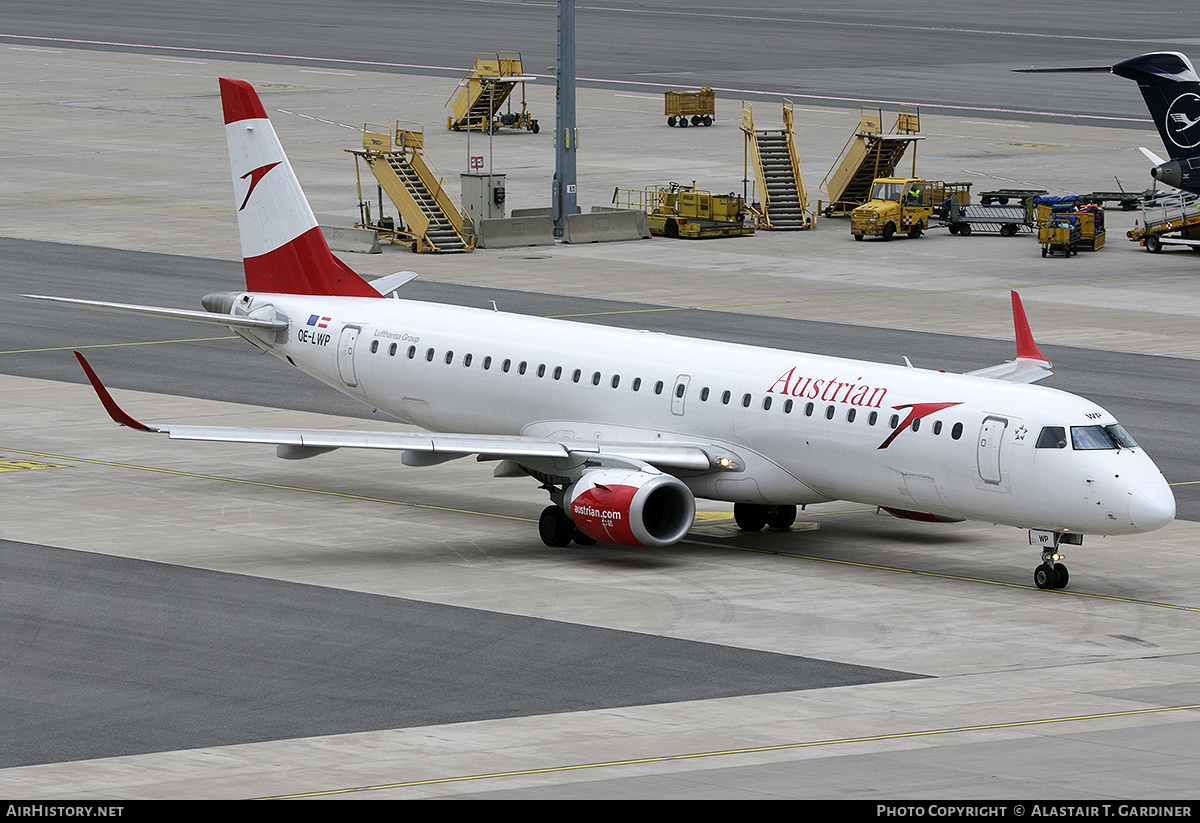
(1024, 287)
(1185, 483)
(781, 747)
(119, 345)
(261, 484)
(27, 465)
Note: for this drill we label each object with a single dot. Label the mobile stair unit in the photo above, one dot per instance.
(431, 219)
(486, 89)
(783, 202)
(1171, 220)
(869, 154)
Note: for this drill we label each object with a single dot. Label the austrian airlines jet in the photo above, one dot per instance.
(625, 429)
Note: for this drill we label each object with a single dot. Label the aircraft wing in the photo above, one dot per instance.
(1031, 365)
(1021, 370)
(428, 448)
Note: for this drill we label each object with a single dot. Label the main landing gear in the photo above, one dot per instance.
(753, 517)
(1052, 574)
(557, 529)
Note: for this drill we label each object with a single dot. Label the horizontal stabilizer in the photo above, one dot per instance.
(229, 320)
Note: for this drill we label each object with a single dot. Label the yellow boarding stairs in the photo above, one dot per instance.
(867, 155)
(783, 202)
(484, 90)
(431, 218)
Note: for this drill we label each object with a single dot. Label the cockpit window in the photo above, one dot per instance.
(1112, 436)
(1052, 437)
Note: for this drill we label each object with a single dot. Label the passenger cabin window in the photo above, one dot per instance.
(392, 350)
(616, 380)
(850, 415)
(487, 363)
(725, 398)
(466, 361)
(704, 393)
(787, 406)
(1052, 437)
(576, 375)
(637, 384)
(767, 403)
(412, 352)
(957, 431)
(429, 355)
(374, 346)
(449, 357)
(596, 378)
(521, 367)
(505, 366)
(658, 387)
(1086, 438)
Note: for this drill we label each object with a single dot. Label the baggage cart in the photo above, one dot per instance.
(696, 107)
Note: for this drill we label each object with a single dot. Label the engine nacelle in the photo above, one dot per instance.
(629, 507)
(1179, 174)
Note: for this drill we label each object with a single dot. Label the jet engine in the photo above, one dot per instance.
(1179, 173)
(631, 507)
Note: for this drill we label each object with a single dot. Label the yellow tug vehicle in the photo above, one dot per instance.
(905, 205)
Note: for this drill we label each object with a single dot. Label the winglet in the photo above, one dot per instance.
(1026, 347)
(114, 411)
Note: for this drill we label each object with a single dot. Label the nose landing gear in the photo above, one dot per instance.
(1052, 574)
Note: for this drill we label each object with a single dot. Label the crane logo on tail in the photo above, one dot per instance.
(1182, 117)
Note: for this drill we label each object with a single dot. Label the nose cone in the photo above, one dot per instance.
(1151, 506)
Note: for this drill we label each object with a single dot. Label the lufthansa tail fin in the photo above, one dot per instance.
(1171, 89)
(283, 250)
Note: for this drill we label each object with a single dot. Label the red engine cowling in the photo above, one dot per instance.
(631, 508)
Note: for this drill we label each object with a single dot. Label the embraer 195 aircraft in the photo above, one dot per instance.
(624, 429)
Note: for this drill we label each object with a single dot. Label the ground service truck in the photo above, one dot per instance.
(905, 204)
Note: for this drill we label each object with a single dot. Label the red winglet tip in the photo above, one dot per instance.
(1026, 347)
(114, 411)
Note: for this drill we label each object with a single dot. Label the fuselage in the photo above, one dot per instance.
(806, 427)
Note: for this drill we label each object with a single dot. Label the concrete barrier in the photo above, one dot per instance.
(512, 232)
(358, 241)
(606, 226)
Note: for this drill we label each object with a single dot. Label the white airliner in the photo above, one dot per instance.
(624, 429)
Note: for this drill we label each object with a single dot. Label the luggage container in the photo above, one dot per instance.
(696, 107)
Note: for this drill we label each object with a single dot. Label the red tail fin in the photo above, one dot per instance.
(283, 250)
